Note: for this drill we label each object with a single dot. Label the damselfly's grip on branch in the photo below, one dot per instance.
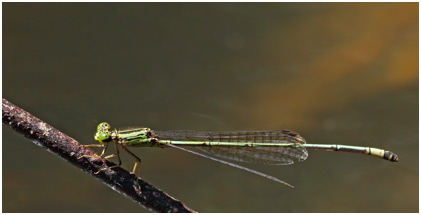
(70, 150)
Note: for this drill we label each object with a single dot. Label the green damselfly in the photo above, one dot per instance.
(273, 147)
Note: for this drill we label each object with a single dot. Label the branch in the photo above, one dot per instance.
(72, 151)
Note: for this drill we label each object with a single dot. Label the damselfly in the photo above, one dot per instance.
(273, 147)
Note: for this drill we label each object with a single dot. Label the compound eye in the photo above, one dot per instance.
(104, 137)
(104, 127)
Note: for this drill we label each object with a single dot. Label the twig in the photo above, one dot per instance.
(72, 151)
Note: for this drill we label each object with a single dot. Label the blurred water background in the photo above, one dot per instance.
(344, 73)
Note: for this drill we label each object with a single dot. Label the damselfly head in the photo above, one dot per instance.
(103, 133)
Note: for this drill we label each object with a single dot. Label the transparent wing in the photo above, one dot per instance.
(281, 147)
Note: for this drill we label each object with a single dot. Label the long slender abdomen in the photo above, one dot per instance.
(381, 153)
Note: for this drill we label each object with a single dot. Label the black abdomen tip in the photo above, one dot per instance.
(390, 156)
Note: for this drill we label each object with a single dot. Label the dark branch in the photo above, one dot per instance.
(69, 149)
